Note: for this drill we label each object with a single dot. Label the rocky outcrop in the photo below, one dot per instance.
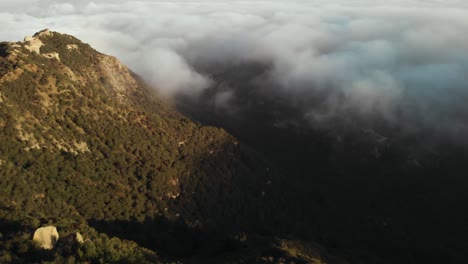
(33, 44)
(79, 238)
(119, 77)
(52, 55)
(46, 237)
(73, 239)
(72, 47)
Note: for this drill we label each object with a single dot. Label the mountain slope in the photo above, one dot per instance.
(86, 146)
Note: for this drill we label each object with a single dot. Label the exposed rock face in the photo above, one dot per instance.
(34, 44)
(52, 55)
(118, 75)
(72, 46)
(46, 237)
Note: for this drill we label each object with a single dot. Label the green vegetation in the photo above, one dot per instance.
(73, 53)
(98, 248)
(75, 155)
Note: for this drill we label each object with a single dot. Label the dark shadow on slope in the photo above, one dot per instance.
(227, 192)
(362, 187)
(3, 49)
(230, 192)
(229, 187)
(172, 238)
(175, 241)
(7, 226)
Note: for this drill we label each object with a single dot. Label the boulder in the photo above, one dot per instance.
(79, 238)
(46, 237)
(72, 239)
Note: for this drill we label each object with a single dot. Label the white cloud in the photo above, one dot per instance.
(372, 56)
(171, 73)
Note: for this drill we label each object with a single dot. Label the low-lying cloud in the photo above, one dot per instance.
(402, 60)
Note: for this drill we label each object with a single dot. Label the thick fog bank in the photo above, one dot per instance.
(401, 62)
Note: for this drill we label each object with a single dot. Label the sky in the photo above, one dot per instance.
(381, 58)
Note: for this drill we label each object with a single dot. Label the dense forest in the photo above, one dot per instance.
(86, 146)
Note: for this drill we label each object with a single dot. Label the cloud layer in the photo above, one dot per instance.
(396, 60)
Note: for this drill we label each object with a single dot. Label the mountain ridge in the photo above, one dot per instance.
(88, 147)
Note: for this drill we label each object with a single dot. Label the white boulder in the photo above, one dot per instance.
(79, 238)
(46, 237)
